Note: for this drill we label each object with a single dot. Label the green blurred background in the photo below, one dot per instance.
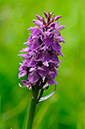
(66, 108)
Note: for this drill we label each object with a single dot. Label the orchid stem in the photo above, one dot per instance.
(31, 113)
(41, 93)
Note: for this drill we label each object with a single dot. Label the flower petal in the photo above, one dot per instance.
(25, 83)
(57, 17)
(51, 81)
(38, 17)
(47, 41)
(53, 73)
(33, 77)
(45, 14)
(56, 46)
(38, 23)
(42, 71)
(22, 73)
(34, 45)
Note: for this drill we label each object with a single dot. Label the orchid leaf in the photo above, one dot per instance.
(47, 96)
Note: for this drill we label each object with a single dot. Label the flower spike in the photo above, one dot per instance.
(41, 56)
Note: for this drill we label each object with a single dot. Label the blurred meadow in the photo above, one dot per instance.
(66, 108)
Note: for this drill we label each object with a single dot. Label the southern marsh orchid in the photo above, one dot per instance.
(40, 58)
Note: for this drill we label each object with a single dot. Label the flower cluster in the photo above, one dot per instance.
(40, 62)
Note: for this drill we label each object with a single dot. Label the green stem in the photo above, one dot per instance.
(41, 93)
(34, 101)
(31, 113)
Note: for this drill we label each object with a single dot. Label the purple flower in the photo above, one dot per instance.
(40, 57)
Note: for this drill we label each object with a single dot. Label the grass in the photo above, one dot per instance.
(66, 108)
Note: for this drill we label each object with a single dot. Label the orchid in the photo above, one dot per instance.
(41, 56)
